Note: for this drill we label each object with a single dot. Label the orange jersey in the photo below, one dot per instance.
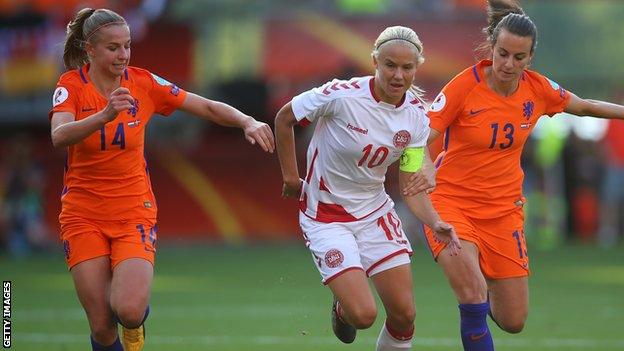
(106, 174)
(484, 137)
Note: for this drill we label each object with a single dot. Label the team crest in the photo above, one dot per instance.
(528, 108)
(135, 108)
(334, 258)
(401, 139)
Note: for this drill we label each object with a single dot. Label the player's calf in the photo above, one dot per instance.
(510, 326)
(344, 331)
(103, 332)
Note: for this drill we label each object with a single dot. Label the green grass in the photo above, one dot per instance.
(270, 298)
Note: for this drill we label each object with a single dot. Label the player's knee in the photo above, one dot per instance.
(514, 327)
(404, 318)
(471, 294)
(363, 318)
(130, 316)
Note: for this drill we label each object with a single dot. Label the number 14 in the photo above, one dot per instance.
(118, 139)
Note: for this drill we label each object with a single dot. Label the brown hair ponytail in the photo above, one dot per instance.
(74, 55)
(508, 15)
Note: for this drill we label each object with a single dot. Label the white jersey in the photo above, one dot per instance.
(356, 138)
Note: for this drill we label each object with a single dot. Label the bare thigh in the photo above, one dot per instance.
(464, 274)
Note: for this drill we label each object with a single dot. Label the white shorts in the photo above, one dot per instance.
(374, 244)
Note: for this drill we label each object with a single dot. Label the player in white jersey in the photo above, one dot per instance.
(364, 125)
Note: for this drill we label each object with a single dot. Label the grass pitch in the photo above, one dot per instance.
(270, 298)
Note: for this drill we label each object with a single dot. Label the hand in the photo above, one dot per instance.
(259, 132)
(421, 180)
(119, 100)
(292, 189)
(445, 233)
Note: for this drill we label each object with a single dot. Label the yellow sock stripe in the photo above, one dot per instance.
(198, 185)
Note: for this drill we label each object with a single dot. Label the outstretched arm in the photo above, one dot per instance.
(594, 108)
(284, 123)
(421, 207)
(228, 116)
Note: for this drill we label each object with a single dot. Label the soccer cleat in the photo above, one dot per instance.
(343, 331)
(133, 339)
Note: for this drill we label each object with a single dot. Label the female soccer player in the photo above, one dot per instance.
(101, 108)
(487, 113)
(364, 125)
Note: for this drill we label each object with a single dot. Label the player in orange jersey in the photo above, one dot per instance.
(101, 108)
(486, 113)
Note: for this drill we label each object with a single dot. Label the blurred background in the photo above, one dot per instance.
(215, 189)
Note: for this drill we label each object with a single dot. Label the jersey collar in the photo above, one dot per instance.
(85, 77)
(371, 85)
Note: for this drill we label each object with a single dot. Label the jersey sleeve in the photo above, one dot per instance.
(313, 103)
(421, 132)
(555, 97)
(167, 97)
(448, 104)
(65, 97)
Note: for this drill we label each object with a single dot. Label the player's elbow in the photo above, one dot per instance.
(285, 118)
(59, 141)
(209, 110)
(280, 120)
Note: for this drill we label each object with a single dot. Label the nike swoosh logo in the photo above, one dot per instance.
(86, 109)
(474, 112)
(477, 337)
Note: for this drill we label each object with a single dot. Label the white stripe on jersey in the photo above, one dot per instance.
(355, 140)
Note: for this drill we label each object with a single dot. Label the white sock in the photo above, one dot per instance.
(387, 342)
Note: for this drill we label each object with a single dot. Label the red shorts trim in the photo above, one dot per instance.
(394, 254)
(341, 273)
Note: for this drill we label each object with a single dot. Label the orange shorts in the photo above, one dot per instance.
(84, 239)
(501, 243)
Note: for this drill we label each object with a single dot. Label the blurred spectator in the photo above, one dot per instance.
(582, 175)
(612, 202)
(22, 199)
